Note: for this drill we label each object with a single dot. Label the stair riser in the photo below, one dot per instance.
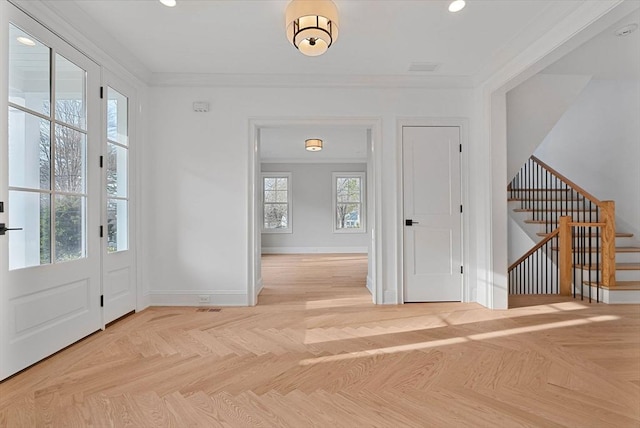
(548, 204)
(538, 191)
(628, 275)
(628, 257)
(612, 296)
(555, 217)
(620, 258)
(621, 275)
(620, 242)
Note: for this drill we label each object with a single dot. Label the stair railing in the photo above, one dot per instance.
(537, 271)
(589, 234)
(549, 195)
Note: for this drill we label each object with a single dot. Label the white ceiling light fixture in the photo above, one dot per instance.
(457, 5)
(313, 144)
(168, 3)
(25, 41)
(312, 25)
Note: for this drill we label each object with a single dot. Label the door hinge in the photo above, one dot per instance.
(101, 92)
(102, 301)
(460, 148)
(461, 269)
(101, 231)
(101, 161)
(460, 208)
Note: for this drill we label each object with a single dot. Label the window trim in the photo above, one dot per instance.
(363, 200)
(287, 175)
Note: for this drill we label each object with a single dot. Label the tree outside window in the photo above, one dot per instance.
(349, 202)
(276, 193)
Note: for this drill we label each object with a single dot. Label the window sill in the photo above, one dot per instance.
(276, 231)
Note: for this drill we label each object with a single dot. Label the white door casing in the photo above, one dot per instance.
(45, 307)
(432, 200)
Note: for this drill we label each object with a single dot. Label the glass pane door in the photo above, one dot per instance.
(51, 269)
(117, 171)
(47, 154)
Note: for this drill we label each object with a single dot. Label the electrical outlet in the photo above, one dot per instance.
(203, 298)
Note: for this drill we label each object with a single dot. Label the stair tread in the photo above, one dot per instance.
(627, 249)
(549, 221)
(618, 249)
(620, 285)
(593, 235)
(538, 190)
(514, 199)
(619, 266)
(530, 210)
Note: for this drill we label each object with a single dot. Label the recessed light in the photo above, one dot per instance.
(626, 30)
(26, 41)
(169, 3)
(457, 5)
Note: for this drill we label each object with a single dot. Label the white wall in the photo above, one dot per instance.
(312, 212)
(596, 144)
(196, 201)
(533, 108)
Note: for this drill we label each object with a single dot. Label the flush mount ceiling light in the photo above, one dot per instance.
(457, 5)
(25, 41)
(312, 25)
(169, 3)
(313, 144)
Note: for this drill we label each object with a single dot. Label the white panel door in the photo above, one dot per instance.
(50, 293)
(432, 218)
(119, 274)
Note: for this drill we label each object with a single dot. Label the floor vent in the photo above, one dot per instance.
(208, 310)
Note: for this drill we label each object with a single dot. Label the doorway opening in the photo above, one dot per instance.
(313, 223)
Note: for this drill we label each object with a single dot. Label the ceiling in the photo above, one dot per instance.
(377, 37)
(605, 56)
(341, 143)
(379, 40)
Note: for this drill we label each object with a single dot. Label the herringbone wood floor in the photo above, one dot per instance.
(316, 353)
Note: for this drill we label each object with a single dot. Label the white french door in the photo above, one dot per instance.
(51, 187)
(118, 262)
(432, 214)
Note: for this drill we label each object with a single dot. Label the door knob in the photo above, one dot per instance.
(4, 229)
(409, 222)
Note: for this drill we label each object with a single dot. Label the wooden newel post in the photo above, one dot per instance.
(565, 255)
(608, 217)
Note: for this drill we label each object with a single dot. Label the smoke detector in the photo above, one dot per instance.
(626, 30)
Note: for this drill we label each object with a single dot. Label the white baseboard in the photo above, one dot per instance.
(390, 298)
(314, 250)
(143, 303)
(259, 287)
(191, 298)
(369, 284)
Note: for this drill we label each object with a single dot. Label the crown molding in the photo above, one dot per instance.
(309, 81)
(72, 24)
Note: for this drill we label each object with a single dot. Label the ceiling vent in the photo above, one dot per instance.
(424, 66)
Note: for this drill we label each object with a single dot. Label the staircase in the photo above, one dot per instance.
(593, 260)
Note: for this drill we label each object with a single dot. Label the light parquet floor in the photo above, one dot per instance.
(316, 353)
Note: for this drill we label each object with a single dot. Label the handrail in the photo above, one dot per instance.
(568, 182)
(556, 201)
(534, 249)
